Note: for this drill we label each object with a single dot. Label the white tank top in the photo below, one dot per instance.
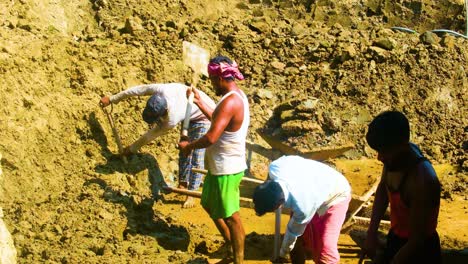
(227, 154)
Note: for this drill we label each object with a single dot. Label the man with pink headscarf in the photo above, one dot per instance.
(225, 152)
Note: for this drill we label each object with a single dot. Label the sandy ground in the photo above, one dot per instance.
(361, 174)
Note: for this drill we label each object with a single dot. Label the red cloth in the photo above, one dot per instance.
(225, 70)
(399, 217)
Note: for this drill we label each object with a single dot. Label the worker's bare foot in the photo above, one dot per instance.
(189, 202)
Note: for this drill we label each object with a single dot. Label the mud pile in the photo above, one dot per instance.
(316, 73)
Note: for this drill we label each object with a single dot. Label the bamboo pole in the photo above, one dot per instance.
(245, 202)
(364, 198)
(243, 178)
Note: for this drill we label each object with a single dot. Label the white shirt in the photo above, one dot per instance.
(227, 154)
(176, 98)
(309, 187)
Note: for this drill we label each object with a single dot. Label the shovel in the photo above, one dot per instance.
(197, 59)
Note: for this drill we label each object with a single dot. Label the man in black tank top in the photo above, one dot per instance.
(410, 185)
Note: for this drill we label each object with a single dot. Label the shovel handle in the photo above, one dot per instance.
(115, 132)
(188, 112)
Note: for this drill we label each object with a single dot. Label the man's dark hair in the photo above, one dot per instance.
(220, 58)
(267, 197)
(387, 130)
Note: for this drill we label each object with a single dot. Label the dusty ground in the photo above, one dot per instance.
(317, 72)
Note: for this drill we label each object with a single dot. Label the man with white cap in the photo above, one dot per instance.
(164, 110)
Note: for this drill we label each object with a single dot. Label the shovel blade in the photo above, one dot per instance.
(195, 57)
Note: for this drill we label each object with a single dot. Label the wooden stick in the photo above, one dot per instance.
(243, 178)
(366, 221)
(277, 242)
(115, 132)
(245, 202)
(314, 154)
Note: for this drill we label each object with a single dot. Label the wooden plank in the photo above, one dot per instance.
(270, 154)
(278, 144)
(319, 154)
(327, 153)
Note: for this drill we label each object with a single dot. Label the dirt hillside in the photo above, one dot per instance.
(316, 73)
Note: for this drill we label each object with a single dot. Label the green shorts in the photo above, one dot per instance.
(220, 195)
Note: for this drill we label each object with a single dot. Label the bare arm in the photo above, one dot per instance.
(378, 210)
(379, 207)
(206, 109)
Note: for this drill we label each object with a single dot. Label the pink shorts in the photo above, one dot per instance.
(321, 234)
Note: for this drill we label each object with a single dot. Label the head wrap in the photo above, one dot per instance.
(225, 70)
(155, 108)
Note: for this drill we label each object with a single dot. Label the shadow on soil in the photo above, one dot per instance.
(139, 210)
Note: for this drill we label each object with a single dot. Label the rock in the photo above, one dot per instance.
(287, 115)
(276, 31)
(350, 51)
(7, 248)
(265, 94)
(346, 54)
(242, 6)
(448, 41)
(105, 215)
(385, 43)
(297, 29)
(293, 114)
(266, 42)
(299, 127)
(325, 44)
(257, 12)
(26, 27)
(278, 65)
(291, 71)
(308, 105)
(132, 25)
(171, 24)
(260, 26)
(378, 54)
(429, 38)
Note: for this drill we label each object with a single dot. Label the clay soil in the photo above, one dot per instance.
(316, 73)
